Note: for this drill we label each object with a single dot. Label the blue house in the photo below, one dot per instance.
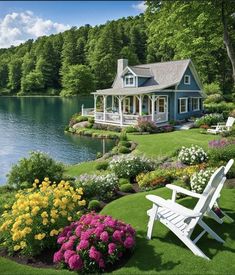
(157, 92)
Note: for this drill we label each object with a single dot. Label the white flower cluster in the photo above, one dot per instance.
(130, 166)
(200, 179)
(102, 187)
(192, 155)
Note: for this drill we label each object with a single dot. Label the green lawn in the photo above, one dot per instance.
(164, 253)
(81, 168)
(167, 143)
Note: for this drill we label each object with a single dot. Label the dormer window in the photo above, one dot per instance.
(187, 79)
(129, 80)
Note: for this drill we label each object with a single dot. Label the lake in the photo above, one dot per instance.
(37, 123)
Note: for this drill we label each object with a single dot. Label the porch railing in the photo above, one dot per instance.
(87, 111)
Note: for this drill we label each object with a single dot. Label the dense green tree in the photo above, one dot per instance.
(3, 74)
(129, 53)
(14, 74)
(33, 82)
(78, 80)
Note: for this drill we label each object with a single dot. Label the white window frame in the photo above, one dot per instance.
(186, 104)
(128, 77)
(188, 82)
(198, 103)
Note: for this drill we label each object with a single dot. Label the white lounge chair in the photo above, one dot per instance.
(181, 220)
(222, 127)
(214, 201)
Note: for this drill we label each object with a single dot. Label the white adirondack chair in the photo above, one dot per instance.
(222, 127)
(181, 220)
(214, 201)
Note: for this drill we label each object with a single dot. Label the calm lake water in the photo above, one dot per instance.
(37, 123)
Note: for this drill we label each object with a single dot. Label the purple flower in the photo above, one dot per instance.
(104, 236)
(111, 248)
(94, 254)
(75, 262)
(68, 254)
(67, 246)
(84, 244)
(61, 240)
(129, 242)
(78, 231)
(117, 235)
(58, 257)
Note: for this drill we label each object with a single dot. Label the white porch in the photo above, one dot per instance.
(126, 110)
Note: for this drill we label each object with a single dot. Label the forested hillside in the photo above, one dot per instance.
(83, 59)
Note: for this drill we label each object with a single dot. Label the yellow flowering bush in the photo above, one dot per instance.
(38, 215)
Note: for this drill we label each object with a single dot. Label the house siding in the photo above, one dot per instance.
(190, 112)
(193, 84)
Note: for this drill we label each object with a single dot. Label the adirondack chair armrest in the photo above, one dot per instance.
(213, 126)
(182, 190)
(174, 207)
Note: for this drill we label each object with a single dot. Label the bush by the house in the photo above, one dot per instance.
(131, 129)
(130, 166)
(127, 188)
(154, 179)
(222, 108)
(146, 126)
(209, 119)
(38, 215)
(94, 205)
(101, 187)
(192, 155)
(102, 165)
(37, 166)
(94, 243)
(200, 179)
(221, 150)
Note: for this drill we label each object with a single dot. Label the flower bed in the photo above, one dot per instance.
(200, 179)
(38, 215)
(94, 243)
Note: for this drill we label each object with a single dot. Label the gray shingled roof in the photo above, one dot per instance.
(164, 73)
(141, 71)
(132, 91)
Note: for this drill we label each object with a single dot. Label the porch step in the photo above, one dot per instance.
(185, 126)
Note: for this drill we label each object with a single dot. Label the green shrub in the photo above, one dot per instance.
(76, 118)
(123, 136)
(209, 119)
(215, 98)
(123, 150)
(38, 166)
(131, 129)
(94, 205)
(124, 143)
(127, 188)
(89, 125)
(223, 108)
(102, 165)
(147, 126)
(212, 88)
(91, 120)
(99, 155)
(123, 181)
(221, 154)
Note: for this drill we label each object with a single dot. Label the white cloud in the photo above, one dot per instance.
(15, 28)
(141, 6)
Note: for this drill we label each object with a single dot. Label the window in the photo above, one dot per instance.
(195, 104)
(187, 79)
(161, 105)
(129, 80)
(183, 105)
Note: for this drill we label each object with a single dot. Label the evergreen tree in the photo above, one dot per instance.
(14, 74)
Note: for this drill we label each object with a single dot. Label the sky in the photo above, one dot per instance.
(23, 20)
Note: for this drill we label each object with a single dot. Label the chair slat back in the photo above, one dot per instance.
(218, 178)
(230, 121)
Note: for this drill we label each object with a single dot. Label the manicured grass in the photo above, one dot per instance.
(165, 253)
(81, 168)
(166, 143)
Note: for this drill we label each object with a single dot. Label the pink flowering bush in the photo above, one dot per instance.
(94, 243)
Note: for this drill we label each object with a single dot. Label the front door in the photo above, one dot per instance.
(161, 109)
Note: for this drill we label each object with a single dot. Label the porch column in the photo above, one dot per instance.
(95, 99)
(134, 104)
(120, 110)
(112, 102)
(153, 107)
(104, 106)
(82, 109)
(140, 105)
